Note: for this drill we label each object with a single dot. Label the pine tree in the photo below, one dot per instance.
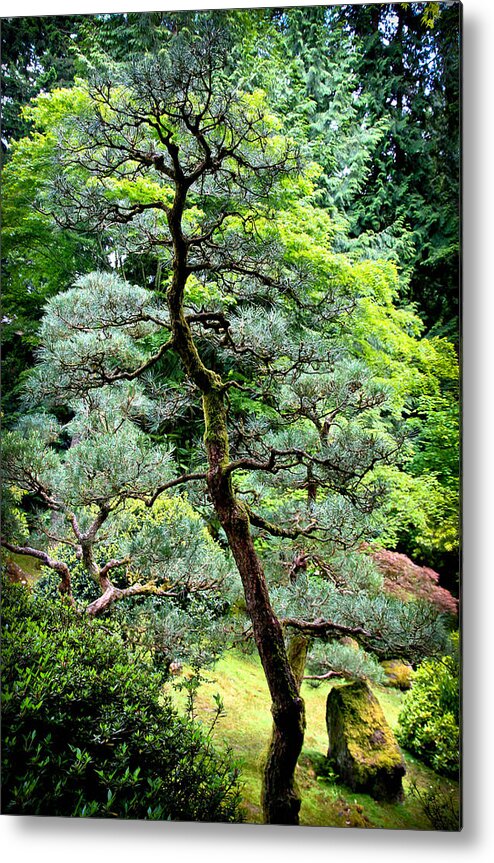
(167, 156)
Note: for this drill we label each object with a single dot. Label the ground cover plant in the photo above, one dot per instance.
(229, 423)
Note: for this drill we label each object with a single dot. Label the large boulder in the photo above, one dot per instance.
(362, 746)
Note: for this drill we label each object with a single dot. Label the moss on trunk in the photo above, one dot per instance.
(281, 802)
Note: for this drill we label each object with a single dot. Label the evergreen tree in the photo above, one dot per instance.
(407, 62)
(167, 156)
(38, 53)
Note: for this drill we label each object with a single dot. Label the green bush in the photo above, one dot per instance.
(84, 587)
(87, 732)
(429, 721)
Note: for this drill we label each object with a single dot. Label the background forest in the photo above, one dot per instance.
(230, 410)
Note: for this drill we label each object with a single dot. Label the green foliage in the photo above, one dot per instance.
(86, 731)
(305, 65)
(14, 521)
(99, 468)
(420, 515)
(84, 587)
(429, 721)
(169, 546)
(345, 660)
(38, 53)
(406, 58)
(347, 589)
(37, 257)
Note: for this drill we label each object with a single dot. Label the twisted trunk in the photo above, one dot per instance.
(280, 795)
(280, 799)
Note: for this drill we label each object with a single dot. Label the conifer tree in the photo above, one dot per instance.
(407, 62)
(168, 155)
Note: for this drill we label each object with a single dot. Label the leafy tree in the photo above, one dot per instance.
(318, 92)
(407, 62)
(41, 55)
(423, 504)
(313, 63)
(372, 92)
(404, 578)
(37, 257)
(318, 68)
(37, 54)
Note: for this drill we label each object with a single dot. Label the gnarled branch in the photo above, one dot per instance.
(324, 628)
(65, 586)
(277, 530)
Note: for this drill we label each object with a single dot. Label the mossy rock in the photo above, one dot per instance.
(399, 675)
(362, 746)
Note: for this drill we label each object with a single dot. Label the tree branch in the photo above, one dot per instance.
(277, 530)
(65, 587)
(268, 465)
(112, 594)
(112, 564)
(179, 480)
(324, 628)
(328, 676)
(129, 376)
(100, 519)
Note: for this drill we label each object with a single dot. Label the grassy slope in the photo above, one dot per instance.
(245, 727)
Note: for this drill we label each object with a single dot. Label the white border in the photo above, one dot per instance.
(33, 839)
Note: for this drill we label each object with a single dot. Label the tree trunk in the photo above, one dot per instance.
(281, 802)
(298, 646)
(280, 798)
(280, 795)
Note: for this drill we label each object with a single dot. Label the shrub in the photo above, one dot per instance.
(429, 721)
(84, 587)
(406, 580)
(398, 674)
(87, 732)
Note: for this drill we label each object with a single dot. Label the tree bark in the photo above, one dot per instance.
(280, 794)
(280, 797)
(298, 646)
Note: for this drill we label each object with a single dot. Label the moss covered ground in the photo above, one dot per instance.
(245, 726)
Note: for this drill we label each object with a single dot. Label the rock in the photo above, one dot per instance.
(399, 674)
(362, 746)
